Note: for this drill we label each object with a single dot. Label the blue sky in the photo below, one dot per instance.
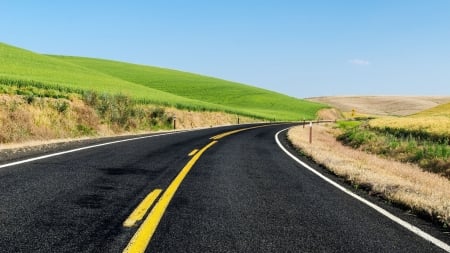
(300, 48)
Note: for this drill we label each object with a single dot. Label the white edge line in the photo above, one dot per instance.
(87, 147)
(392, 217)
(108, 143)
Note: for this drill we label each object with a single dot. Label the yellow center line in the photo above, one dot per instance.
(143, 236)
(193, 152)
(141, 239)
(220, 136)
(142, 208)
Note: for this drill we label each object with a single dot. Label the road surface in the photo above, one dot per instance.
(240, 193)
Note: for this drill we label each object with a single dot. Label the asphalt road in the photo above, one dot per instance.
(243, 194)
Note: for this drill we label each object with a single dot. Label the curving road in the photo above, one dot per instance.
(239, 193)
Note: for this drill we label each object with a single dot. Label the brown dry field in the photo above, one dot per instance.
(383, 105)
(406, 184)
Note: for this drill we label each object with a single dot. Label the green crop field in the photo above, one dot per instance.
(19, 64)
(153, 85)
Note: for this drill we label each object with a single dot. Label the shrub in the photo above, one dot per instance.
(84, 130)
(62, 106)
(356, 137)
(90, 98)
(30, 99)
(158, 112)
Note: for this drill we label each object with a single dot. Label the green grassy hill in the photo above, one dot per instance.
(19, 64)
(151, 85)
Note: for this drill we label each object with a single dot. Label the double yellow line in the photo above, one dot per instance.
(144, 234)
(142, 237)
(222, 135)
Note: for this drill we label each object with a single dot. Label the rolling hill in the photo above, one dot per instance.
(150, 85)
(383, 105)
(440, 110)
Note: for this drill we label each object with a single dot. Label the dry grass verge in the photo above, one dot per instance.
(405, 184)
(44, 119)
(40, 121)
(193, 119)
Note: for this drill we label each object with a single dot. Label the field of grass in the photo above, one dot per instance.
(237, 97)
(148, 85)
(20, 65)
(429, 154)
(433, 124)
(426, 194)
(422, 138)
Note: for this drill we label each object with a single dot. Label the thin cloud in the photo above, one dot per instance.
(359, 62)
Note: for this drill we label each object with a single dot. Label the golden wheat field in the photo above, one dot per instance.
(434, 121)
(440, 110)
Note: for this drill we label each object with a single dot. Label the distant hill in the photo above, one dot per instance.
(151, 85)
(383, 105)
(440, 110)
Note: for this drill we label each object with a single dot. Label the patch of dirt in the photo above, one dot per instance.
(330, 114)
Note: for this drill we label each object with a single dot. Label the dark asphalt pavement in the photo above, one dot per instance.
(243, 195)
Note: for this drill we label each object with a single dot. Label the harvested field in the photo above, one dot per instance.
(383, 105)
